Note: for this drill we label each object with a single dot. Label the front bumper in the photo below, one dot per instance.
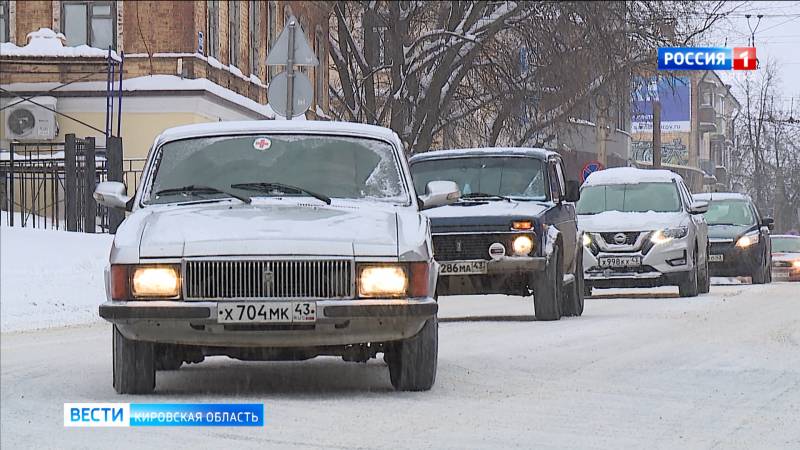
(508, 265)
(735, 261)
(786, 273)
(339, 322)
(664, 264)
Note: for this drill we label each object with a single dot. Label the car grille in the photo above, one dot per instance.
(268, 279)
(630, 238)
(456, 247)
(782, 264)
(721, 247)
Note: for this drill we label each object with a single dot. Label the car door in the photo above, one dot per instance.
(563, 214)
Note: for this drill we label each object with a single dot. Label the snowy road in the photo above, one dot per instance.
(640, 369)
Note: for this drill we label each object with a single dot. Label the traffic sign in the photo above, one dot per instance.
(589, 167)
(302, 94)
(303, 55)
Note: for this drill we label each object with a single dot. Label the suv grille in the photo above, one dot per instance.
(630, 238)
(259, 279)
(455, 247)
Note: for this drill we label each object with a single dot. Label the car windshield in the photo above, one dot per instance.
(730, 212)
(514, 177)
(786, 244)
(277, 165)
(639, 197)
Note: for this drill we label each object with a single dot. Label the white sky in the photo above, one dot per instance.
(777, 38)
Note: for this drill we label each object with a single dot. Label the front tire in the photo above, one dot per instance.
(705, 279)
(761, 275)
(573, 294)
(412, 362)
(547, 289)
(133, 370)
(689, 287)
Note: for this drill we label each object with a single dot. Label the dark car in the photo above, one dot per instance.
(513, 231)
(739, 235)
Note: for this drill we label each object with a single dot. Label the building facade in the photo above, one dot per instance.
(183, 61)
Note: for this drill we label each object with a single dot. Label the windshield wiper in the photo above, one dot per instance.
(472, 195)
(196, 189)
(280, 187)
(726, 224)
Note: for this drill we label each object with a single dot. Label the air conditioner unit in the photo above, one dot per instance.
(26, 121)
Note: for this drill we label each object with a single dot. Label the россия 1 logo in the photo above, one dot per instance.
(707, 58)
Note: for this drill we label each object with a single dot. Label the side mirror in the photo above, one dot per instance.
(573, 191)
(440, 193)
(768, 222)
(698, 207)
(112, 194)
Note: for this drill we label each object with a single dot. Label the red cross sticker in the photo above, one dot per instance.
(262, 143)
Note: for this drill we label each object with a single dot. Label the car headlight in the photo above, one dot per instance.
(156, 281)
(522, 245)
(747, 240)
(796, 264)
(382, 281)
(587, 240)
(668, 234)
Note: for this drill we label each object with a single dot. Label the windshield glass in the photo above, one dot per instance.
(333, 166)
(730, 212)
(506, 176)
(786, 245)
(640, 197)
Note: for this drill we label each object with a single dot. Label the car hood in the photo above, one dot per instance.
(727, 231)
(272, 229)
(478, 214)
(609, 221)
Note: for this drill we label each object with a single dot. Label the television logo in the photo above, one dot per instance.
(163, 414)
(707, 58)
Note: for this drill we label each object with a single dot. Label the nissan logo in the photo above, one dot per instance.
(620, 238)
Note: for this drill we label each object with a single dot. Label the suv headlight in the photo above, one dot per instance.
(668, 234)
(748, 239)
(382, 281)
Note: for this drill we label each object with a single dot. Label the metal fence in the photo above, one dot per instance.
(50, 185)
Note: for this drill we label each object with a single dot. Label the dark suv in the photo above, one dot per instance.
(739, 235)
(512, 231)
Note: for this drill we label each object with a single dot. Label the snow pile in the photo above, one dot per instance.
(48, 43)
(50, 278)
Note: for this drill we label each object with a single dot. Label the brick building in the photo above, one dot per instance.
(184, 61)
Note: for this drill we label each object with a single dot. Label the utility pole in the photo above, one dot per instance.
(290, 72)
(656, 134)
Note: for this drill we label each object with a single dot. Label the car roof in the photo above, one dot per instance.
(630, 175)
(721, 196)
(276, 126)
(538, 153)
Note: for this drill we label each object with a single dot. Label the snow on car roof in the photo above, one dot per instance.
(275, 126)
(630, 175)
(483, 151)
(785, 236)
(721, 196)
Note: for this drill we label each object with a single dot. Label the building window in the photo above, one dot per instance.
(272, 32)
(234, 29)
(212, 25)
(256, 20)
(89, 23)
(4, 24)
(319, 71)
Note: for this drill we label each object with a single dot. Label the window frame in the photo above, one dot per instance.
(5, 18)
(272, 35)
(212, 28)
(89, 16)
(319, 70)
(255, 16)
(233, 37)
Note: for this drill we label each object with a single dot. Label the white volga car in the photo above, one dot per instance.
(273, 240)
(641, 228)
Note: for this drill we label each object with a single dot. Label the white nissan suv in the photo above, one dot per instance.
(641, 228)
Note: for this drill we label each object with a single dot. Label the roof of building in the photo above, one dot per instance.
(485, 151)
(630, 175)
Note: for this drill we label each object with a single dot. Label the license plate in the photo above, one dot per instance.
(267, 312)
(463, 268)
(620, 261)
(716, 258)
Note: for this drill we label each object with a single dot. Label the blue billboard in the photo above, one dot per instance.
(674, 94)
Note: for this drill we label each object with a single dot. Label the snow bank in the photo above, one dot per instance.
(50, 278)
(48, 43)
(630, 175)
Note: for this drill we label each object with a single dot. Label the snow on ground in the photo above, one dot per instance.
(640, 369)
(50, 278)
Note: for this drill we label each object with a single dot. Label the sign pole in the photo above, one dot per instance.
(656, 134)
(290, 73)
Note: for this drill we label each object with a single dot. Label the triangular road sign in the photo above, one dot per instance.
(303, 55)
